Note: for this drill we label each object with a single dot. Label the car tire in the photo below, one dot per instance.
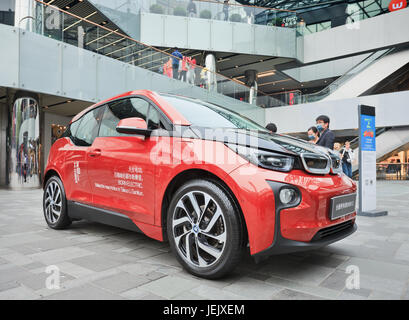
(55, 204)
(206, 236)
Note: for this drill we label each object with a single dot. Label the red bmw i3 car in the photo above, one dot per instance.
(206, 179)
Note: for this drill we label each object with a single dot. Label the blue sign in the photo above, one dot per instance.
(368, 133)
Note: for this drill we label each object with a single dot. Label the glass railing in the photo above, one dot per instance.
(201, 9)
(353, 15)
(335, 85)
(58, 24)
(286, 98)
(392, 171)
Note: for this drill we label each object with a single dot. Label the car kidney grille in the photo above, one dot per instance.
(316, 163)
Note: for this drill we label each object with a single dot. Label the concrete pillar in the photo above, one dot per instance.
(23, 142)
(251, 81)
(210, 63)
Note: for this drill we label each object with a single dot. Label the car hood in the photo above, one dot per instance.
(261, 140)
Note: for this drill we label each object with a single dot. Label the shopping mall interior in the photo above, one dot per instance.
(284, 62)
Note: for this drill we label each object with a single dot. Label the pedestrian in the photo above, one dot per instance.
(313, 134)
(183, 69)
(191, 65)
(327, 137)
(271, 127)
(191, 9)
(226, 10)
(391, 167)
(167, 68)
(398, 169)
(203, 78)
(25, 167)
(177, 56)
(407, 168)
(197, 71)
(249, 14)
(347, 156)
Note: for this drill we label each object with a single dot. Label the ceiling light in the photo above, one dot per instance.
(266, 74)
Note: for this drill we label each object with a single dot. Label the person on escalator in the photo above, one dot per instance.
(177, 57)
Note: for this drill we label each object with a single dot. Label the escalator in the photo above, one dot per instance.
(363, 77)
(380, 68)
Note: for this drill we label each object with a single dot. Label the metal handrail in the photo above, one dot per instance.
(243, 5)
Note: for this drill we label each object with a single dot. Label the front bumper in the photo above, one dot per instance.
(322, 237)
(274, 228)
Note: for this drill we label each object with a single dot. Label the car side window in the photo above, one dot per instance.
(122, 109)
(155, 120)
(72, 129)
(88, 128)
(108, 124)
(129, 108)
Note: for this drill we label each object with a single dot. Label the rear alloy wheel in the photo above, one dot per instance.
(55, 204)
(204, 229)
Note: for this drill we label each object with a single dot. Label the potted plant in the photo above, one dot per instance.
(235, 17)
(180, 12)
(156, 8)
(205, 14)
(276, 22)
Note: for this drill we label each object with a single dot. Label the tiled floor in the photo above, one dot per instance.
(101, 262)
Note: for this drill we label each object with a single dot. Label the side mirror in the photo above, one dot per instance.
(133, 126)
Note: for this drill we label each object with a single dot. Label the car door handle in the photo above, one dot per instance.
(95, 153)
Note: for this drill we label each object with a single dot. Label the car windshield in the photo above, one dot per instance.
(202, 114)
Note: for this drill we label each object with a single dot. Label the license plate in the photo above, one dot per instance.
(342, 205)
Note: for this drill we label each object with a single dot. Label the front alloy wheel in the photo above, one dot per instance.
(204, 229)
(54, 204)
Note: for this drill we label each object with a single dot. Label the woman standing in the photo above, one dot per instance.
(167, 68)
(313, 135)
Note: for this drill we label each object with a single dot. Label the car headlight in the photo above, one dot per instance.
(264, 159)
